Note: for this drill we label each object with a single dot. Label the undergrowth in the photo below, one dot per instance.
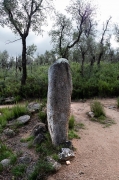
(99, 114)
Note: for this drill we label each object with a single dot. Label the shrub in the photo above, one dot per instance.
(97, 109)
(71, 122)
(5, 152)
(72, 135)
(42, 116)
(18, 170)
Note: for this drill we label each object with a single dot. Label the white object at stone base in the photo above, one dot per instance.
(91, 114)
(68, 162)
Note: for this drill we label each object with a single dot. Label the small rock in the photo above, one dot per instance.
(26, 159)
(39, 138)
(81, 173)
(23, 119)
(30, 169)
(112, 107)
(68, 162)
(38, 129)
(33, 106)
(5, 162)
(91, 114)
(9, 100)
(66, 154)
(54, 163)
(9, 132)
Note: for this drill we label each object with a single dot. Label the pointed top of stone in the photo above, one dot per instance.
(62, 60)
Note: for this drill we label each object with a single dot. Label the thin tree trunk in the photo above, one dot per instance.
(82, 64)
(99, 58)
(24, 71)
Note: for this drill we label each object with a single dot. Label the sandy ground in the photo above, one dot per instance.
(97, 152)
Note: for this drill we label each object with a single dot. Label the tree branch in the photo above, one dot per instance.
(12, 41)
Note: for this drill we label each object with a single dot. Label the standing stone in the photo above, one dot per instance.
(59, 100)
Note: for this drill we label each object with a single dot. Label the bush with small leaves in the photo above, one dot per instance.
(98, 109)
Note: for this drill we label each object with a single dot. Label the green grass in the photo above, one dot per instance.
(98, 109)
(46, 148)
(42, 116)
(71, 122)
(42, 169)
(30, 138)
(72, 135)
(72, 131)
(79, 126)
(5, 152)
(99, 114)
(10, 114)
(18, 170)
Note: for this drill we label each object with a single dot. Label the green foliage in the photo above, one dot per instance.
(5, 152)
(71, 122)
(13, 159)
(30, 138)
(55, 157)
(19, 170)
(72, 135)
(11, 113)
(46, 148)
(42, 116)
(99, 114)
(103, 81)
(79, 126)
(100, 81)
(97, 109)
(42, 169)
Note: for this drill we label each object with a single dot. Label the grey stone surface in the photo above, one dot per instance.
(30, 169)
(9, 132)
(26, 159)
(57, 166)
(9, 100)
(91, 114)
(66, 154)
(33, 106)
(23, 119)
(112, 107)
(38, 139)
(5, 162)
(38, 129)
(59, 99)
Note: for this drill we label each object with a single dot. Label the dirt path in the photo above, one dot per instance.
(97, 152)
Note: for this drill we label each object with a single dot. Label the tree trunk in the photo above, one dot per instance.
(24, 71)
(82, 63)
(99, 58)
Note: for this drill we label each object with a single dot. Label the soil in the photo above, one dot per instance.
(97, 152)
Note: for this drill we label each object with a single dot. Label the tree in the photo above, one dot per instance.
(4, 56)
(21, 16)
(67, 32)
(61, 34)
(102, 40)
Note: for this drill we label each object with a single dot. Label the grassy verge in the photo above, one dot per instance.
(99, 114)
